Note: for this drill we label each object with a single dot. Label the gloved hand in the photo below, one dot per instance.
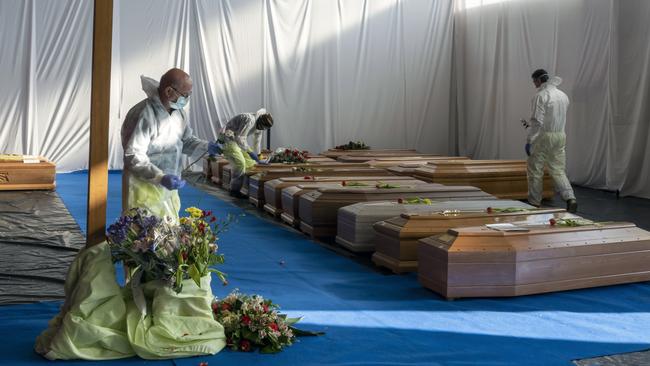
(172, 182)
(254, 156)
(527, 149)
(214, 148)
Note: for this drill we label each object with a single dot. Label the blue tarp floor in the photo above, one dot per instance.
(369, 318)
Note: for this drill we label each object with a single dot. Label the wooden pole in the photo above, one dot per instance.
(99, 122)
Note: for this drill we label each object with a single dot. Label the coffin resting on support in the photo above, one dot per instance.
(255, 183)
(397, 238)
(26, 173)
(216, 169)
(307, 167)
(502, 178)
(318, 209)
(390, 160)
(355, 229)
(480, 262)
(273, 188)
(335, 153)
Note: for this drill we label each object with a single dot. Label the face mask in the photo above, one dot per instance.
(180, 103)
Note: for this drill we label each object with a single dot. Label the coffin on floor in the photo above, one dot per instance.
(335, 153)
(397, 238)
(318, 209)
(19, 172)
(355, 229)
(305, 169)
(273, 188)
(478, 262)
(502, 178)
(255, 184)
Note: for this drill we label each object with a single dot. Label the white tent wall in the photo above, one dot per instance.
(333, 71)
(601, 50)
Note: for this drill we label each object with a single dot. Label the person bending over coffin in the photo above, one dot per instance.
(155, 135)
(546, 141)
(234, 137)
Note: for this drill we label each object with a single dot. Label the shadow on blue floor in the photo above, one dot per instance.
(371, 318)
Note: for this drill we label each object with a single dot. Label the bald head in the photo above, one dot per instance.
(174, 84)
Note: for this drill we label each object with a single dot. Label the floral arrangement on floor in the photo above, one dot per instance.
(359, 145)
(160, 249)
(289, 156)
(252, 322)
(382, 185)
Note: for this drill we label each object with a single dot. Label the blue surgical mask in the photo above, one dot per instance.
(180, 103)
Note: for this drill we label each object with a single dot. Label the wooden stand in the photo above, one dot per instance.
(355, 222)
(502, 178)
(479, 262)
(17, 175)
(396, 244)
(318, 209)
(273, 188)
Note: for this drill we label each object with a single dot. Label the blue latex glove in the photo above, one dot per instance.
(172, 182)
(527, 149)
(214, 148)
(254, 156)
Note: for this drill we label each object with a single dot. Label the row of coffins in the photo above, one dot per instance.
(22, 172)
(441, 217)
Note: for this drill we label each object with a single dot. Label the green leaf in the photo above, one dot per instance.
(305, 333)
(292, 321)
(195, 275)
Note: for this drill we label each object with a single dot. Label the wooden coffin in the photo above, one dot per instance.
(479, 262)
(226, 174)
(19, 172)
(355, 222)
(397, 238)
(273, 188)
(255, 184)
(207, 168)
(389, 160)
(502, 178)
(335, 153)
(216, 170)
(318, 209)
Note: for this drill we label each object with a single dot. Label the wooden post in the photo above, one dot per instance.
(99, 122)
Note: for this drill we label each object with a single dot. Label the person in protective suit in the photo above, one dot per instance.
(546, 141)
(234, 137)
(155, 135)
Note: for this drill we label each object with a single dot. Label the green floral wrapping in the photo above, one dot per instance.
(91, 324)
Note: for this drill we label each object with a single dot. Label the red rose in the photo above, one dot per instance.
(265, 308)
(184, 255)
(245, 319)
(201, 227)
(287, 151)
(307, 178)
(295, 153)
(399, 200)
(213, 219)
(489, 210)
(225, 306)
(203, 364)
(229, 341)
(274, 326)
(215, 307)
(245, 345)
(343, 183)
(552, 222)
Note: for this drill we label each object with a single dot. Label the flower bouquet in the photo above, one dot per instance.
(289, 156)
(152, 248)
(415, 201)
(252, 322)
(359, 145)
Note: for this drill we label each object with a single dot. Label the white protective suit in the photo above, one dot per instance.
(153, 142)
(548, 141)
(234, 136)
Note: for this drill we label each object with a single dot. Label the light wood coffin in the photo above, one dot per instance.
(480, 262)
(273, 189)
(256, 183)
(397, 238)
(502, 178)
(355, 229)
(226, 175)
(15, 174)
(216, 170)
(335, 153)
(318, 209)
(390, 160)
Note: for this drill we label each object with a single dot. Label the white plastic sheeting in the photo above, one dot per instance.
(601, 48)
(332, 71)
